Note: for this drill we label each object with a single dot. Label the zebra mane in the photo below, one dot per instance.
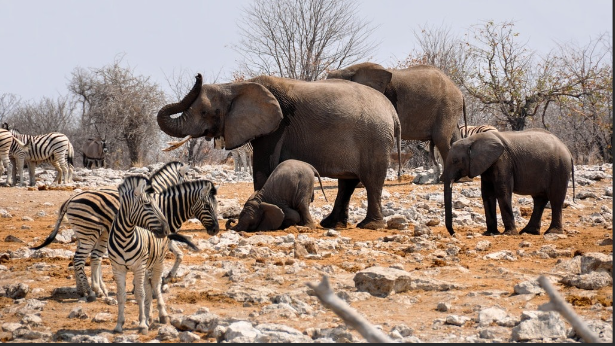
(188, 185)
(133, 183)
(170, 173)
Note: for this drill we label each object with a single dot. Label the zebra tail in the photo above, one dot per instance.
(180, 238)
(53, 234)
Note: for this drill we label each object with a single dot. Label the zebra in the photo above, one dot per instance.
(242, 157)
(140, 250)
(53, 147)
(91, 214)
(6, 140)
(472, 130)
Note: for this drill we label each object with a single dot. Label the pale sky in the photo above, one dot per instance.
(43, 41)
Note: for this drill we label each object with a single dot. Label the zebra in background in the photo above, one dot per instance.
(53, 147)
(242, 157)
(6, 140)
(434, 154)
(91, 214)
(472, 130)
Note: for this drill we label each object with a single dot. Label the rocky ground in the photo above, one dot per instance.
(412, 281)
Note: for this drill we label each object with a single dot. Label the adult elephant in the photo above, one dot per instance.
(427, 101)
(345, 130)
(531, 162)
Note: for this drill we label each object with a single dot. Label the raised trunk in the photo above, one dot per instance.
(173, 127)
(448, 205)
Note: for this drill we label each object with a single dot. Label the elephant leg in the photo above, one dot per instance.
(339, 215)
(505, 202)
(489, 204)
(374, 218)
(305, 216)
(556, 225)
(291, 217)
(533, 226)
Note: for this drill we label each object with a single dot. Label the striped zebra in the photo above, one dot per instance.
(6, 140)
(139, 250)
(242, 157)
(91, 214)
(472, 130)
(53, 147)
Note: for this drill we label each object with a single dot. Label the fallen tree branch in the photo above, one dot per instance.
(557, 303)
(349, 315)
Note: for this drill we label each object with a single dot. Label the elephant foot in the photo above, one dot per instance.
(555, 230)
(490, 233)
(530, 230)
(373, 224)
(511, 232)
(328, 222)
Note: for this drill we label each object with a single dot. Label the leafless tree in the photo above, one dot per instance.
(120, 106)
(44, 116)
(8, 104)
(301, 39)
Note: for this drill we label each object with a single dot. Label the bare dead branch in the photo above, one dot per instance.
(557, 303)
(349, 315)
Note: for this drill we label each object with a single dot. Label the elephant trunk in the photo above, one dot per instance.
(448, 205)
(173, 127)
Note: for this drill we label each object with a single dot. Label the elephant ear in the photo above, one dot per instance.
(272, 217)
(254, 112)
(485, 149)
(375, 77)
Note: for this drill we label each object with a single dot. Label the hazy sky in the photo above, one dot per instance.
(43, 41)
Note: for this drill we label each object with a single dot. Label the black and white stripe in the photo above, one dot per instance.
(53, 147)
(472, 130)
(138, 243)
(6, 140)
(91, 214)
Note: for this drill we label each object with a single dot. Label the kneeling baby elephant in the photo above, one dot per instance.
(282, 202)
(531, 162)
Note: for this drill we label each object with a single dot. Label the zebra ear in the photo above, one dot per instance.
(254, 112)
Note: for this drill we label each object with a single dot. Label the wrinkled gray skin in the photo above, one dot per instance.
(427, 101)
(345, 130)
(531, 162)
(94, 150)
(283, 201)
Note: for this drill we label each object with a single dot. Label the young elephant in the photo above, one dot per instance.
(531, 162)
(283, 201)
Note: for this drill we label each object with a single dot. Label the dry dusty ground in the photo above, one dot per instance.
(484, 276)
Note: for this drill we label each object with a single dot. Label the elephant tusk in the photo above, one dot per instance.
(176, 144)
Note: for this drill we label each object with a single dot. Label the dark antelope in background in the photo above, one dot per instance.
(94, 150)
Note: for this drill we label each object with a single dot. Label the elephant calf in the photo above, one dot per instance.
(283, 201)
(531, 162)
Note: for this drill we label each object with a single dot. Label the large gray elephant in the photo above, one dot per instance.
(427, 101)
(531, 162)
(283, 201)
(345, 130)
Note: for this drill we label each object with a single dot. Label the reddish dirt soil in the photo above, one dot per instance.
(484, 275)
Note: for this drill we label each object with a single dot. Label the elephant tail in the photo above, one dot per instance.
(320, 182)
(573, 190)
(398, 136)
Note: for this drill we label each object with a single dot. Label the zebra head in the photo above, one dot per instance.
(139, 208)
(170, 174)
(206, 207)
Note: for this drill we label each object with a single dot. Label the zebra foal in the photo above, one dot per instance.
(139, 250)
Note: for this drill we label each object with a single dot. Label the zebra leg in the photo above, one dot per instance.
(84, 247)
(119, 273)
(179, 255)
(156, 283)
(139, 280)
(148, 297)
(31, 171)
(98, 285)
